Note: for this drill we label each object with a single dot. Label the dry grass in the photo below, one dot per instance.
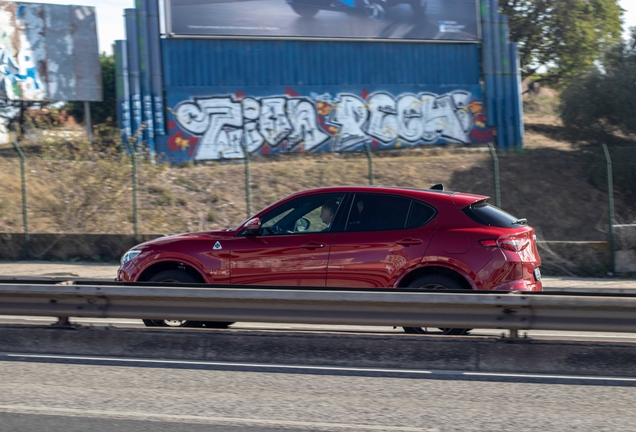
(550, 183)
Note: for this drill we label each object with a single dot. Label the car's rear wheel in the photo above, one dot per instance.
(304, 11)
(436, 282)
(173, 276)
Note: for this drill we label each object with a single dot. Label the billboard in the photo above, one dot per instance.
(49, 53)
(430, 20)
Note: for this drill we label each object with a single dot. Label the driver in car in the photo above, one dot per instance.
(328, 212)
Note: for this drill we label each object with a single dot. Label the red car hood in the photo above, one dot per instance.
(203, 235)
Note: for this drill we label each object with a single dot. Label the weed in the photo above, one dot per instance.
(187, 183)
(164, 195)
(182, 201)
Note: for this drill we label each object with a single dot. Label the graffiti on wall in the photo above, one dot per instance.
(38, 46)
(227, 126)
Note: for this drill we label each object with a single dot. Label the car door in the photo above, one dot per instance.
(292, 247)
(382, 237)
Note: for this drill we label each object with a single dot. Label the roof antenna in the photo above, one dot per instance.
(438, 186)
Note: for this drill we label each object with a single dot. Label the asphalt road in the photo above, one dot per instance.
(276, 18)
(49, 394)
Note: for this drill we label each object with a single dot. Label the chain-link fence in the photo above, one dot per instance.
(564, 192)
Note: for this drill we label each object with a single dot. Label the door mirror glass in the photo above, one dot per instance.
(253, 226)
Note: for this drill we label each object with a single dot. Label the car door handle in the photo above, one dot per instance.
(409, 242)
(313, 245)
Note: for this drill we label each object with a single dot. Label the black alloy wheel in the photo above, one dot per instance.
(304, 11)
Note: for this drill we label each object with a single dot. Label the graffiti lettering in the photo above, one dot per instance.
(344, 122)
(306, 132)
(350, 114)
(383, 123)
(225, 123)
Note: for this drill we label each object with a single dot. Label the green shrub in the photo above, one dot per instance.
(602, 101)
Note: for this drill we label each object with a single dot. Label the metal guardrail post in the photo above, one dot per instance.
(24, 195)
(248, 181)
(495, 167)
(370, 158)
(133, 156)
(610, 203)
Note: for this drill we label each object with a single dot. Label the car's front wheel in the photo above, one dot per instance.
(178, 276)
(436, 282)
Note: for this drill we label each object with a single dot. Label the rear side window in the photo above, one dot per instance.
(487, 214)
(371, 212)
(420, 215)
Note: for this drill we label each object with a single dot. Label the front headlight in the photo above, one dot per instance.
(129, 255)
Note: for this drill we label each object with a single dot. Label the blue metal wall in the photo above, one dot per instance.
(225, 97)
(215, 62)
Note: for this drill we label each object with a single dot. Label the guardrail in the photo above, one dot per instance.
(467, 309)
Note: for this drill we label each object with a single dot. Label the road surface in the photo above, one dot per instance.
(56, 394)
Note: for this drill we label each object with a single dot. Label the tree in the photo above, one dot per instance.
(602, 101)
(105, 111)
(560, 39)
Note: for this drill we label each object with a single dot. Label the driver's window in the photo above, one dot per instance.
(303, 215)
(277, 218)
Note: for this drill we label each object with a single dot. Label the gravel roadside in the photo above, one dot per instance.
(109, 271)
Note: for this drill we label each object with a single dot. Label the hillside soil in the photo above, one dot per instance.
(559, 185)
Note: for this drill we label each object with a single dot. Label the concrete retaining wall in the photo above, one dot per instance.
(64, 247)
(396, 351)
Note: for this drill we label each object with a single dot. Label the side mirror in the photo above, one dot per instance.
(253, 226)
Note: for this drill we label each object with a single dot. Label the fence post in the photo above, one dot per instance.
(133, 156)
(610, 203)
(248, 181)
(495, 167)
(370, 158)
(89, 123)
(25, 217)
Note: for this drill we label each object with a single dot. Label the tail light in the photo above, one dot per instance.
(511, 242)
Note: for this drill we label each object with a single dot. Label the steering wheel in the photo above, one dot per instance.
(275, 229)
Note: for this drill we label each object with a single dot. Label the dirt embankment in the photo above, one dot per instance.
(558, 185)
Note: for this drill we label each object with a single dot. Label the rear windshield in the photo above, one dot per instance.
(487, 214)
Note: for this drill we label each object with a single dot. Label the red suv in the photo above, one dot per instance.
(353, 236)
